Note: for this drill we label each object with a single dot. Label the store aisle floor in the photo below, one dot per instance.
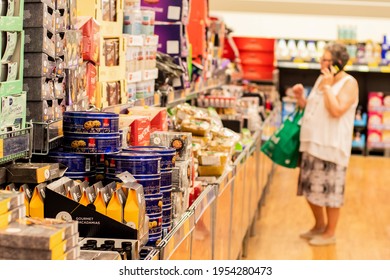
(364, 227)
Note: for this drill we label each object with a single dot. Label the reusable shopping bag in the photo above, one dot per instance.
(283, 146)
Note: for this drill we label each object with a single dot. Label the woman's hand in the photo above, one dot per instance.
(327, 79)
(298, 91)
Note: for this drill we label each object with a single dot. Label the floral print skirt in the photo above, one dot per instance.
(321, 182)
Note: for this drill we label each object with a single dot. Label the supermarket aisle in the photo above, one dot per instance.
(364, 226)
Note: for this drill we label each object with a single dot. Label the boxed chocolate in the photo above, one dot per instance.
(12, 216)
(38, 89)
(60, 44)
(139, 133)
(39, 15)
(34, 172)
(91, 222)
(157, 116)
(90, 29)
(10, 200)
(34, 233)
(168, 11)
(50, 3)
(181, 141)
(40, 111)
(61, 20)
(39, 65)
(58, 252)
(13, 112)
(39, 39)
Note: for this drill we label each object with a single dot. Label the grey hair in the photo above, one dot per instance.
(339, 52)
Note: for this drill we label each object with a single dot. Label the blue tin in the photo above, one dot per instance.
(167, 215)
(150, 183)
(136, 164)
(155, 224)
(154, 239)
(82, 176)
(167, 196)
(168, 154)
(153, 204)
(92, 143)
(166, 177)
(90, 122)
(74, 162)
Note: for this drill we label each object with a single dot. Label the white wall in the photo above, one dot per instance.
(302, 26)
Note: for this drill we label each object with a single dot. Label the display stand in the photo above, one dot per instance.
(15, 144)
(222, 215)
(202, 241)
(176, 245)
(47, 136)
(221, 220)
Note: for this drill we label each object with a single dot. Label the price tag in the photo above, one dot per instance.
(303, 66)
(1, 148)
(385, 69)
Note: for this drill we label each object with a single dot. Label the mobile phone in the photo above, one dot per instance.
(337, 66)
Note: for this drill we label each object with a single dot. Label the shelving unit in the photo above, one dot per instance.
(15, 144)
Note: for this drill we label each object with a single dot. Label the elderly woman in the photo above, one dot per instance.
(326, 139)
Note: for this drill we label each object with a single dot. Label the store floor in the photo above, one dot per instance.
(364, 227)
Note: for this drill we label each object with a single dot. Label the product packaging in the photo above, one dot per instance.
(168, 11)
(13, 112)
(33, 233)
(34, 172)
(10, 200)
(139, 133)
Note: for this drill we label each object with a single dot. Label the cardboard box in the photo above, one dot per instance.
(15, 22)
(39, 39)
(56, 253)
(181, 141)
(111, 24)
(39, 65)
(90, 29)
(39, 15)
(168, 11)
(10, 200)
(35, 173)
(12, 74)
(139, 133)
(12, 216)
(13, 112)
(40, 111)
(38, 89)
(172, 39)
(112, 73)
(157, 116)
(33, 233)
(91, 223)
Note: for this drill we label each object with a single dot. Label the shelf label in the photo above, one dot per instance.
(1, 148)
(385, 69)
(303, 66)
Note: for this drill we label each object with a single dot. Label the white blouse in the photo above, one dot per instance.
(322, 135)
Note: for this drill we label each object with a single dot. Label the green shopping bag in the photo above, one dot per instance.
(283, 146)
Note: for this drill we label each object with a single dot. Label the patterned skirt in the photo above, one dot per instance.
(321, 182)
